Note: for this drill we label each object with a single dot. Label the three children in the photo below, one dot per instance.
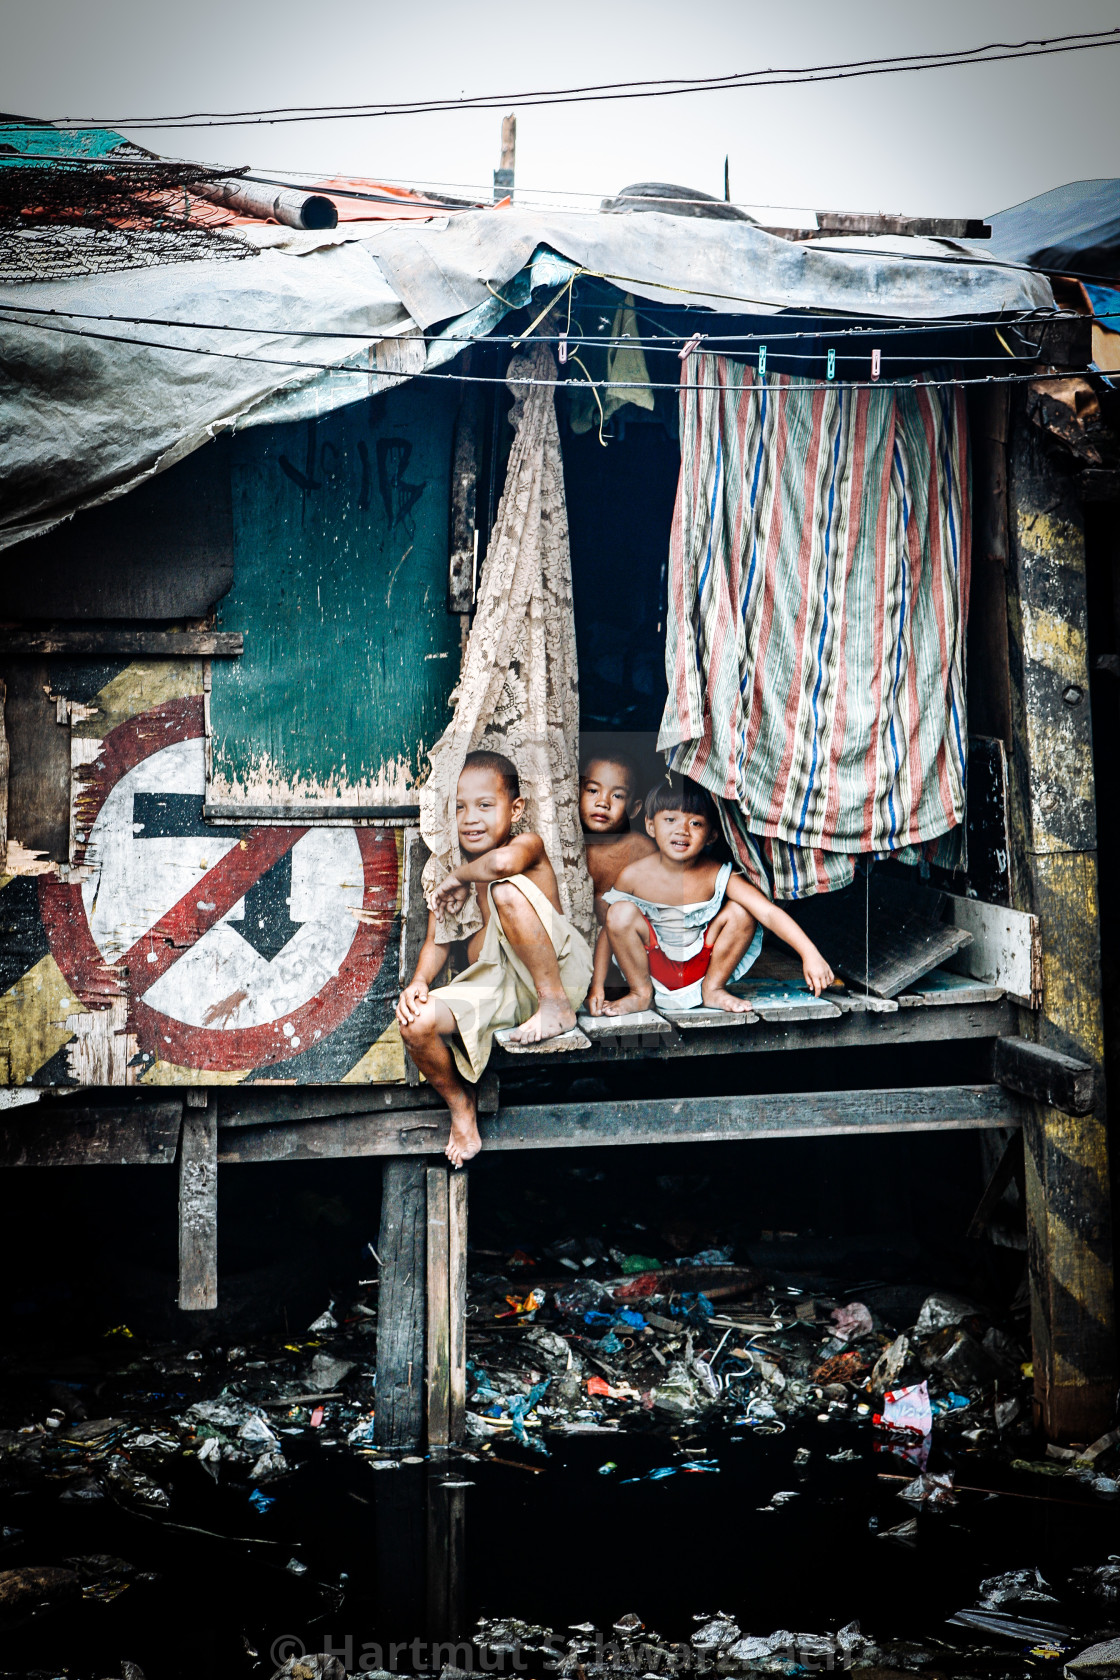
(680, 926)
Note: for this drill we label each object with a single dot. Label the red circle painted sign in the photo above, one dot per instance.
(236, 948)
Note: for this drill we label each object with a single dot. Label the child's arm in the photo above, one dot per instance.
(596, 992)
(817, 973)
(428, 964)
(518, 854)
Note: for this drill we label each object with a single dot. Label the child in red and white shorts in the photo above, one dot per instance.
(683, 926)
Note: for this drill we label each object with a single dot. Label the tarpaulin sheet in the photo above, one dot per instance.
(85, 418)
(729, 266)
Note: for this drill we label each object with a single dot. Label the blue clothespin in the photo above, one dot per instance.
(762, 361)
(831, 371)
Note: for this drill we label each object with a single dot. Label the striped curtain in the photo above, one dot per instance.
(818, 593)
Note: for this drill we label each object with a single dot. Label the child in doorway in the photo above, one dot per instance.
(608, 799)
(530, 967)
(663, 911)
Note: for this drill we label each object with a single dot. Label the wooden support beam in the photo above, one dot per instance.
(198, 1210)
(578, 1125)
(457, 1304)
(1055, 867)
(55, 1135)
(136, 644)
(1048, 1075)
(400, 1319)
(438, 1390)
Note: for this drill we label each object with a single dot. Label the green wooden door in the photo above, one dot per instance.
(340, 585)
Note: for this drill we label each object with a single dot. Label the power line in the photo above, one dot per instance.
(993, 52)
(551, 384)
(665, 342)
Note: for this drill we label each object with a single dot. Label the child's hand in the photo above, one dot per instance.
(450, 895)
(596, 998)
(817, 973)
(410, 1002)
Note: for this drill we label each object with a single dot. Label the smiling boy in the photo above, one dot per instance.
(529, 967)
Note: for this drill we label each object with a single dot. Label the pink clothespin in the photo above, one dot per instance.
(876, 362)
(562, 350)
(693, 344)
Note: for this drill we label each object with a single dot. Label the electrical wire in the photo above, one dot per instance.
(993, 52)
(370, 373)
(664, 342)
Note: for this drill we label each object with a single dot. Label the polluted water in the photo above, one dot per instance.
(694, 1444)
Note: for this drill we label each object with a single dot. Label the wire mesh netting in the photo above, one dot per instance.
(65, 217)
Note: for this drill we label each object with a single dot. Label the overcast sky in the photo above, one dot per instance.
(951, 143)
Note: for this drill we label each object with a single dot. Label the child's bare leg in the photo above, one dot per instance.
(526, 933)
(729, 933)
(628, 932)
(426, 1042)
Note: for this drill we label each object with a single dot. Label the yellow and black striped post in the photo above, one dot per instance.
(1055, 866)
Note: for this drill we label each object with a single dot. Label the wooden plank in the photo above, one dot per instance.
(688, 1020)
(939, 987)
(862, 1030)
(860, 1003)
(464, 493)
(56, 1135)
(1005, 949)
(38, 773)
(561, 1045)
(577, 1125)
(783, 1000)
(1035, 1070)
(198, 1211)
(401, 1244)
(438, 1366)
(163, 551)
(643, 1024)
(131, 644)
(1055, 870)
(246, 1105)
(323, 811)
(414, 906)
(457, 1303)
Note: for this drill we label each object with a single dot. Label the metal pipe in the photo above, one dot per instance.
(286, 205)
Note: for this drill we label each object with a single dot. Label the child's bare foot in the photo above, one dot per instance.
(465, 1140)
(718, 997)
(632, 1004)
(555, 1016)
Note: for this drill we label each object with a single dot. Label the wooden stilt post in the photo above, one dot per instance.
(457, 1304)
(439, 1312)
(400, 1317)
(447, 1307)
(1054, 847)
(198, 1206)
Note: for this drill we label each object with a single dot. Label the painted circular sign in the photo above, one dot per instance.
(236, 948)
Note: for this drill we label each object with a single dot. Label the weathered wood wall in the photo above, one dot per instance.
(1055, 868)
